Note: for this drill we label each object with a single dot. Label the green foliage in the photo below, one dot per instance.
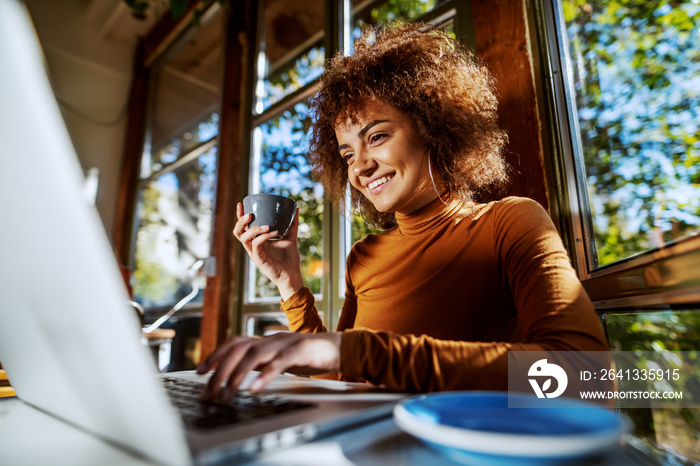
(401, 10)
(636, 75)
(654, 331)
(139, 8)
(284, 170)
(150, 279)
(663, 331)
(287, 77)
(175, 218)
(360, 229)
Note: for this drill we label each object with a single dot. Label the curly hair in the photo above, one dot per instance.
(439, 84)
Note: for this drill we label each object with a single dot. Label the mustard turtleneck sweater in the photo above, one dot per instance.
(437, 303)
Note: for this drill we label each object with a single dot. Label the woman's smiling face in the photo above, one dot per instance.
(386, 160)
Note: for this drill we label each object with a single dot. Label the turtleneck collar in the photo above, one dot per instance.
(427, 217)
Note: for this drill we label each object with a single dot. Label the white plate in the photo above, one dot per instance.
(480, 428)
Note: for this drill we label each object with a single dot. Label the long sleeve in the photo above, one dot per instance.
(303, 317)
(515, 284)
(553, 308)
(349, 312)
(302, 314)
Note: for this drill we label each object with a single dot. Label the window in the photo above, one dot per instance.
(290, 56)
(178, 169)
(634, 81)
(280, 167)
(624, 119)
(623, 97)
(663, 432)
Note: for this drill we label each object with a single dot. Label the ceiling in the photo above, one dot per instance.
(187, 86)
(115, 21)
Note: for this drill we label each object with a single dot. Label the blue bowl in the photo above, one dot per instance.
(480, 428)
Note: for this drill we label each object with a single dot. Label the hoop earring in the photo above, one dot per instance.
(430, 172)
(373, 227)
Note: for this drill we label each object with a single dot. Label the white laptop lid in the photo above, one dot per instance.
(68, 339)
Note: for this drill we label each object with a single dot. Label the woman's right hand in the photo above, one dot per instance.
(280, 260)
(298, 353)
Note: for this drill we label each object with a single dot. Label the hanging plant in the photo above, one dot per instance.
(139, 8)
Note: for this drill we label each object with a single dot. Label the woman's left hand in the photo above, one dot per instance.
(303, 353)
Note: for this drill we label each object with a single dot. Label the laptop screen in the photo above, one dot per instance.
(68, 338)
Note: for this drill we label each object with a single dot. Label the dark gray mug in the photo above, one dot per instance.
(270, 209)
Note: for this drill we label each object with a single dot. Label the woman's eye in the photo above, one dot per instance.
(348, 156)
(376, 137)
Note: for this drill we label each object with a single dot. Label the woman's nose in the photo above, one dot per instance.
(364, 164)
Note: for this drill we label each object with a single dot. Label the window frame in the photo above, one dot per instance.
(154, 64)
(665, 277)
(249, 309)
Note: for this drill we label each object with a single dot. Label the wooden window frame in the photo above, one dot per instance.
(220, 293)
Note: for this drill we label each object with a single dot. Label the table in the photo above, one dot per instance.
(29, 436)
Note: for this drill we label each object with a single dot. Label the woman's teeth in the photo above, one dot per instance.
(379, 181)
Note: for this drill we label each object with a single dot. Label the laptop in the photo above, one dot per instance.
(69, 341)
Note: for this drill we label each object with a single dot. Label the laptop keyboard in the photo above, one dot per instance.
(185, 395)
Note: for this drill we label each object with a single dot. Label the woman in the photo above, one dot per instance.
(435, 303)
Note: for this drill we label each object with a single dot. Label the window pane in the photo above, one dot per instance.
(291, 53)
(180, 144)
(635, 70)
(280, 167)
(176, 191)
(390, 10)
(185, 96)
(359, 229)
(174, 224)
(665, 432)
